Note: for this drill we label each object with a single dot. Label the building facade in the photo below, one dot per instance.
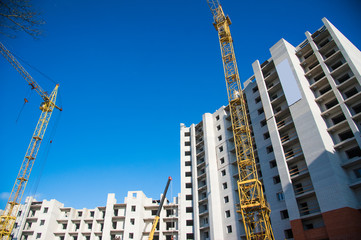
(305, 111)
(50, 220)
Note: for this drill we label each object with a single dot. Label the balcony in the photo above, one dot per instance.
(347, 81)
(325, 97)
(307, 210)
(338, 126)
(289, 138)
(331, 111)
(293, 153)
(318, 81)
(295, 172)
(345, 143)
(285, 124)
(301, 191)
(274, 87)
(353, 99)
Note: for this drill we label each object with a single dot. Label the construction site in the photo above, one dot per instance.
(153, 136)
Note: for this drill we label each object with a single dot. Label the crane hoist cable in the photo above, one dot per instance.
(253, 207)
(8, 217)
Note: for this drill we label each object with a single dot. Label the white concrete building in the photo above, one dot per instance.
(305, 110)
(50, 220)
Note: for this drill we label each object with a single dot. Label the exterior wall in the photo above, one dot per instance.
(129, 220)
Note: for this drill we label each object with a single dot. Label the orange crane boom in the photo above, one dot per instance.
(253, 207)
(8, 218)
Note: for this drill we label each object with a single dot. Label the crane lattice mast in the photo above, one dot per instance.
(8, 218)
(253, 207)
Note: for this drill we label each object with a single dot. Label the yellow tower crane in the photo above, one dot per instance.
(7, 220)
(253, 207)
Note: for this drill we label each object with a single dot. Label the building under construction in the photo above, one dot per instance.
(304, 108)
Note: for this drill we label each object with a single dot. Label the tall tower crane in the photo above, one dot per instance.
(7, 220)
(253, 207)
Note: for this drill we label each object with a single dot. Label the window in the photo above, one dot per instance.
(188, 174)
(133, 208)
(263, 123)
(77, 226)
(87, 237)
(338, 119)
(187, 143)
(284, 214)
(325, 90)
(46, 210)
(219, 127)
(226, 199)
(288, 233)
(38, 235)
(189, 197)
(189, 209)
(258, 99)
(19, 213)
(229, 229)
(187, 134)
(309, 226)
(115, 212)
(260, 111)
(269, 149)
(187, 153)
(225, 185)
(223, 172)
(90, 226)
(228, 214)
(221, 149)
(221, 160)
(255, 89)
(357, 108)
(92, 213)
(188, 185)
(353, 152)
(190, 236)
(132, 221)
(276, 179)
(131, 235)
(357, 172)
(64, 226)
(80, 214)
(345, 135)
(330, 104)
(273, 164)
(217, 117)
(75, 238)
(42, 222)
(189, 223)
(220, 138)
(266, 135)
(187, 163)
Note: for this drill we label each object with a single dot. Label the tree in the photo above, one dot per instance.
(19, 15)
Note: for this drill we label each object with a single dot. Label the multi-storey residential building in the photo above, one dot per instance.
(305, 112)
(50, 220)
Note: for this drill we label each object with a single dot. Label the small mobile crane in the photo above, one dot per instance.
(156, 219)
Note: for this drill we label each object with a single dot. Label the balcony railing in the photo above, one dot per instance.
(309, 210)
(293, 152)
(303, 189)
(295, 171)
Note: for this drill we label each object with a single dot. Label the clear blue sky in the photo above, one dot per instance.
(130, 72)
